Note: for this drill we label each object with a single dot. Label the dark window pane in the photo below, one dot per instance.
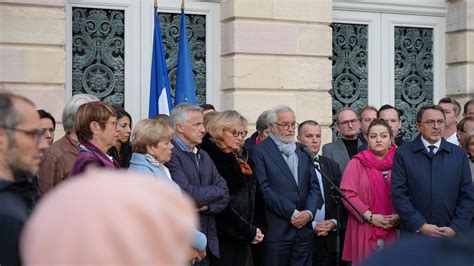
(98, 53)
(413, 74)
(349, 68)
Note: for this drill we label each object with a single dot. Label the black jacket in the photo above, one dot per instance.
(17, 199)
(331, 169)
(123, 156)
(248, 144)
(235, 223)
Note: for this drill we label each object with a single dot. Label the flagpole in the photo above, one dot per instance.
(182, 4)
(156, 4)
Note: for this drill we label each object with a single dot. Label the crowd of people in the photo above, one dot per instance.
(192, 189)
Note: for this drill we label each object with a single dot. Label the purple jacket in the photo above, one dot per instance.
(91, 155)
(204, 184)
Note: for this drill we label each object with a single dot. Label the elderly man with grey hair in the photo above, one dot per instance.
(193, 170)
(290, 190)
(59, 158)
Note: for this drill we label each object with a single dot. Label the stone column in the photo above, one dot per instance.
(276, 52)
(32, 56)
(460, 49)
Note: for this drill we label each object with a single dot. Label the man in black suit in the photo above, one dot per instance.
(325, 221)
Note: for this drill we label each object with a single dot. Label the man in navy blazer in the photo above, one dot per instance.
(194, 171)
(290, 190)
(431, 182)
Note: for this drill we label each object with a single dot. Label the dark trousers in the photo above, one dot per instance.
(231, 255)
(322, 254)
(296, 252)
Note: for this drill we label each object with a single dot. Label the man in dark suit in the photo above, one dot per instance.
(290, 190)
(325, 220)
(349, 144)
(431, 183)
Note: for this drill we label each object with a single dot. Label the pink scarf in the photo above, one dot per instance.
(382, 200)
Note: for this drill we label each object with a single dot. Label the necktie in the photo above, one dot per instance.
(316, 162)
(432, 147)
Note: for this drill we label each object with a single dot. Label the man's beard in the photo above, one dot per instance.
(17, 166)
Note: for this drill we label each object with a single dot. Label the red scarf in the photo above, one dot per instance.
(382, 199)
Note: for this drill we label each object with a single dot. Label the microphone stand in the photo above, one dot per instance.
(337, 196)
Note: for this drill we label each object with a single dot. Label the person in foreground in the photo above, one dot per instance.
(366, 182)
(290, 190)
(432, 186)
(151, 145)
(110, 218)
(235, 227)
(95, 127)
(22, 142)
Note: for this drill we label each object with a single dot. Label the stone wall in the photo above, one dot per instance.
(460, 49)
(32, 56)
(276, 52)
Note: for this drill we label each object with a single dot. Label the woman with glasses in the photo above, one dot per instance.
(122, 150)
(366, 182)
(235, 228)
(95, 127)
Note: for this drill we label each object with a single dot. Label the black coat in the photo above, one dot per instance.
(17, 199)
(235, 223)
(123, 156)
(331, 169)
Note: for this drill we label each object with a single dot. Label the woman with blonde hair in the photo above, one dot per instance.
(151, 146)
(235, 226)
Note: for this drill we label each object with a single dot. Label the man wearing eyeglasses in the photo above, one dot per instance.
(22, 143)
(431, 180)
(350, 143)
(290, 190)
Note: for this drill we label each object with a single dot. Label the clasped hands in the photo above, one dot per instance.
(300, 219)
(323, 228)
(387, 222)
(435, 231)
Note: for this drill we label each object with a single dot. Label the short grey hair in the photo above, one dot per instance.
(272, 113)
(179, 114)
(262, 121)
(71, 107)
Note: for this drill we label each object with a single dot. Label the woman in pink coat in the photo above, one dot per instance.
(366, 182)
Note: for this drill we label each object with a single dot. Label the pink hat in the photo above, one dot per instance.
(105, 217)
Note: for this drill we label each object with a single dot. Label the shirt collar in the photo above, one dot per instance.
(183, 146)
(427, 144)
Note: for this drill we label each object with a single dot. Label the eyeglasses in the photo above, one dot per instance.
(36, 134)
(236, 133)
(431, 123)
(287, 126)
(347, 122)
